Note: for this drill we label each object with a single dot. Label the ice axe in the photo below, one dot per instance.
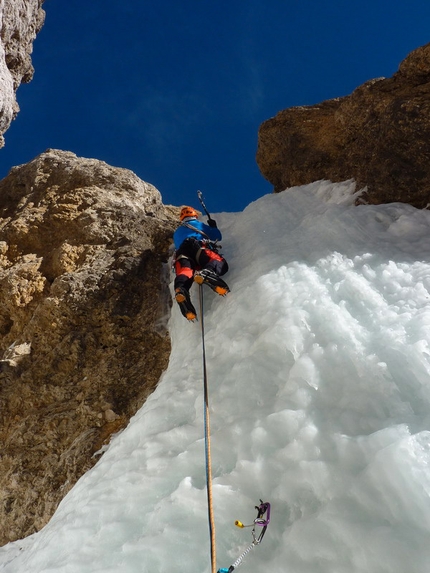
(202, 203)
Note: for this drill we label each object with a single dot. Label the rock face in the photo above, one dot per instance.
(379, 136)
(20, 22)
(84, 301)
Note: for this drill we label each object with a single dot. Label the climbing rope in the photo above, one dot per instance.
(207, 442)
(263, 516)
(263, 510)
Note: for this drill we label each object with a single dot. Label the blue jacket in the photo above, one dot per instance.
(183, 232)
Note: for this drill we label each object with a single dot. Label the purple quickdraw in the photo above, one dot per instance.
(262, 520)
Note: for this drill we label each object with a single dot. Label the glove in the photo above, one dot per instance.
(211, 222)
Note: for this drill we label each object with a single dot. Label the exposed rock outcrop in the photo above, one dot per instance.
(20, 22)
(379, 136)
(84, 303)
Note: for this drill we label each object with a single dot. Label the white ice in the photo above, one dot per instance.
(319, 388)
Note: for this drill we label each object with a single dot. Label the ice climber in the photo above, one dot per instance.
(197, 259)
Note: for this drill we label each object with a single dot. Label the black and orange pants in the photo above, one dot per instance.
(192, 256)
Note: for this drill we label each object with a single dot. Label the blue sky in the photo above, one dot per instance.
(176, 91)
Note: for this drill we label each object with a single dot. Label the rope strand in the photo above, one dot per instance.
(207, 442)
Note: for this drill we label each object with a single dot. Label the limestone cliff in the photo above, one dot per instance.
(84, 302)
(20, 22)
(379, 136)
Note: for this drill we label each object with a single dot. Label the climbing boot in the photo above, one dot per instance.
(210, 278)
(182, 297)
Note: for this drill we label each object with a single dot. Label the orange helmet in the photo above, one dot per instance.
(188, 212)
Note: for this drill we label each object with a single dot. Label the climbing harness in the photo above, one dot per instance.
(262, 520)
